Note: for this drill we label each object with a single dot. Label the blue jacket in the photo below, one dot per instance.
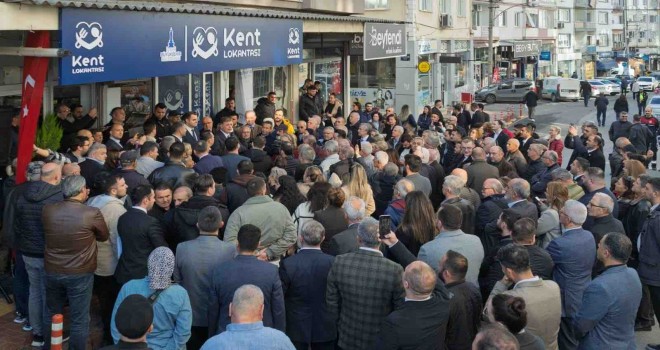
(28, 226)
(649, 253)
(395, 210)
(573, 253)
(606, 318)
(208, 163)
(230, 276)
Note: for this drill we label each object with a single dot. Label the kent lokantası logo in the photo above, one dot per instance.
(205, 42)
(88, 36)
(294, 39)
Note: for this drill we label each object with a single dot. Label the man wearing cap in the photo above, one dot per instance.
(134, 321)
(308, 105)
(128, 161)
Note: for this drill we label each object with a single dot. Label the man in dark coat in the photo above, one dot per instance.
(140, 234)
(235, 193)
(531, 101)
(524, 234)
(93, 164)
(173, 172)
(540, 180)
(128, 161)
(308, 105)
(479, 170)
(640, 135)
(265, 107)
(601, 102)
(594, 182)
(304, 279)
(489, 211)
(620, 127)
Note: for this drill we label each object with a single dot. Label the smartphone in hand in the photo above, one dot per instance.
(384, 225)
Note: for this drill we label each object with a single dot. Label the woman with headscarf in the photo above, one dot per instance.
(172, 311)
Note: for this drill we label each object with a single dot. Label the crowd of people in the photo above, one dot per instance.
(263, 235)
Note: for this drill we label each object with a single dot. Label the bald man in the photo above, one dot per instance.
(466, 192)
(70, 169)
(480, 170)
(422, 320)
(114, 142)
(181, 194)
(515, 156)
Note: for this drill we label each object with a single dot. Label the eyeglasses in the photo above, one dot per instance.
(597, 206)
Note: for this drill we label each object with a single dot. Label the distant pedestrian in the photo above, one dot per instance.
(642, 97)
(620, 105)
(624, 86)
(634, 87)
(585, 92)
(531, 101)
(601, 103)
(574, 76)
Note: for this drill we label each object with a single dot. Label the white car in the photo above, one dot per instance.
(616, 88)
(647, 83)
(602, 87)
(654, 103)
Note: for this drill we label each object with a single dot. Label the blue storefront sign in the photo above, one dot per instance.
(544, 56)
(110, 45)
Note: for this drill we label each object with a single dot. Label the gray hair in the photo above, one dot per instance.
(167, 142)
(366, 147)
(391, 169)
(73, 186)
(312, 233)
(453, 184)
(520, 187)
(329, 128)
(382, 157)
(95, 147)
(538, 148)
(562, 174)
(368, 232)
(247, 299)
(355, 214)
(331, 146)
(399, 128)
(346, 152)
(367, 126)
(604, 201)
(433, 139)
(552, 155)
(575, 211)
(495, 184)
(403, 187)
(306, 152)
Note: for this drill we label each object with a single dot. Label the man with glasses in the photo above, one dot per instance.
(594, 182)
(540, 181)
(573, 253)
(489, 211)
(496, 159)
(602, 222)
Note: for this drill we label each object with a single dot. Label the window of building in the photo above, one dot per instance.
(376, 4)
(589, 17)
(425, 5)
(602, 18)
(501, 20)
(564, 40)
(462, 8)
(445, 6)
(518, 19)
(532, 20)
(653, 18)
(476, 16)
(603, 40)
(589, 40)
(564, 15)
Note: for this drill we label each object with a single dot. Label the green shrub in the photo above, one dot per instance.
(49, 134)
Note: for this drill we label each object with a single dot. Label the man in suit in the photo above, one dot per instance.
(304, 280)
(395, 141)
(573, 254)
(465, 306)
(114, 142)
(465, 159)
(451, 189)
(195, 261)
(540, 180)
(346, 241)
(94, 164)
(606, 317)
(178, 131)
(499, 135)
(363, 288)
(524, 233)
(451, 237)
(479, 171)
(232, 158)
(489, 212)
(174, 173)
(594, 182)
(578, 168)
(542, 297)
(206, 162)
(139, 234)
(524, 136)
(245, 268)
(225, 129)
(517, 193)
(422, 320)
(590, 149)
(190, 120)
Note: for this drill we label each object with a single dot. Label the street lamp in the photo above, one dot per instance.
(492, 5)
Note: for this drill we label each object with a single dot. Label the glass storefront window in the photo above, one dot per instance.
(329, 73)
(173, 92)
(260, 83)
(460, 79)
(373, 81)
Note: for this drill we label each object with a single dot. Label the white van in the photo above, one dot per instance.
(561, 89)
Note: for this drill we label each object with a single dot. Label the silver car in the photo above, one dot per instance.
(602, 87)
(505, 91)
(616, 88)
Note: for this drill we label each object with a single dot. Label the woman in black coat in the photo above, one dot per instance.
(333, 217)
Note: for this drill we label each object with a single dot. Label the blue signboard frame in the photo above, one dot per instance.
(545, 56)
(111, 45)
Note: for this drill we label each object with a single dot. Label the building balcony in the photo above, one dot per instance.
(582, 3)
(617, 5)
(585, 26)
(618, 46)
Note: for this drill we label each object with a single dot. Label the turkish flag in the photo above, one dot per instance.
(34, 78)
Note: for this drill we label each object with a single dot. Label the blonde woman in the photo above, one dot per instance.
(358, 186)
(312, 175)
(555, 142)
(187, 156)
(556, 194)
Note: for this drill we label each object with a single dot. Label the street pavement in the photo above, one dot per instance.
(562, 114)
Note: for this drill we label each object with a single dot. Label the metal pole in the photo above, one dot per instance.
(625, 29)
(491, 58)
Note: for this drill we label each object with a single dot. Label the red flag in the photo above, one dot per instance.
(34, 78)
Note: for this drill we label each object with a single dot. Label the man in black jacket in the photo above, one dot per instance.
(601, 103)
(308, 104)
(173, 172)
(489, 211)
(640, 135)
(591, 150)
(93, 164)
(304, 279)
(465, 307)
(140, 234)
(490, 271)
(524, 233)
(265, 107)
(620, 128)
(235, 193)
(184, 219)
(531, 101)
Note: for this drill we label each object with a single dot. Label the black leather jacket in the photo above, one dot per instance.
(174, 173)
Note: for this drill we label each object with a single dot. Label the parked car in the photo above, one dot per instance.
(647, 83)
(616, 87)
(505, 91)
(601, 87)
(654, 103)
(614, 79)
(561, 89)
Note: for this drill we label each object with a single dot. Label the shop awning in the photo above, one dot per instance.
(606, 64)
(197, 8)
